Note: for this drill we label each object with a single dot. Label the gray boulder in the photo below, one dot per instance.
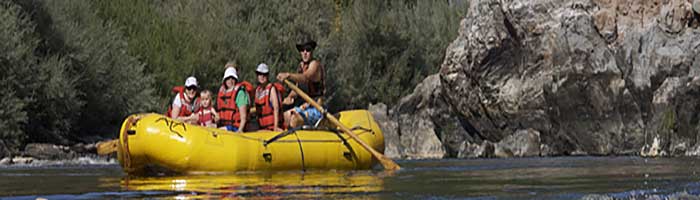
(416, 120)
(389, 127)
(590, 77)
(523, 143)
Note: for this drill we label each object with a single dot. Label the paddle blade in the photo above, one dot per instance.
(107, 147)
(388, 164)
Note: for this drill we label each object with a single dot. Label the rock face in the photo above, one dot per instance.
(540, 77)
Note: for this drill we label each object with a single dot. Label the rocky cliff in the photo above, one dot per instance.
(572, 77)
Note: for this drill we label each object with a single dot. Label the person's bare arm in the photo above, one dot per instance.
(216, 115)
(175, 112)
(275, 109)
(243, 111)
(290, 98)
(308, 75)
(192, 119)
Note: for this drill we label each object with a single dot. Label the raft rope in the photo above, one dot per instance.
(301, 150)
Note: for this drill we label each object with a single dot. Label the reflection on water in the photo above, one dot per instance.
(524, 178)
(269, 185)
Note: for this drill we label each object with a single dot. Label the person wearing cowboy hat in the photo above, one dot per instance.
(310, 74)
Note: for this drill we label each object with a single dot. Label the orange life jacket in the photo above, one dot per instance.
(205, 115)
(186, 109)
(226, 104)
(263, 105)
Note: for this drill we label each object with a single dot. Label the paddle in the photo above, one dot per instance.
(387, 163)
(107, 147)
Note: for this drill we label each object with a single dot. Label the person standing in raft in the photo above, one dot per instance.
(310, 74)
(184, 103)
(232, 102)
(268, 100)
(206, 113)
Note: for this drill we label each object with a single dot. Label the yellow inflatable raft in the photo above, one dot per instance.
(156, 140)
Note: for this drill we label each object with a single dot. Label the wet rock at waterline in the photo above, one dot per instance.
(589, 77)
(389, 127)
(48, 151)
(51, 154)
(523, 143)
(41, 154)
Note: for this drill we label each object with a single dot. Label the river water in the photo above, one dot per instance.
(521, 178)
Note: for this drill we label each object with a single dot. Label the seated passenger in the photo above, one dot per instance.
(268, 100)
(232, 102)
(310, 73)
(185, 102)
(207, 115)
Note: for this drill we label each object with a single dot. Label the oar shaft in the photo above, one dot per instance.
(386, 162)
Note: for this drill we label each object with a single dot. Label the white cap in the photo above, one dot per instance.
(262, 68)
(191, 81)
(230, 71)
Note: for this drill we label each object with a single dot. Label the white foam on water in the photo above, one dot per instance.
(84, 160)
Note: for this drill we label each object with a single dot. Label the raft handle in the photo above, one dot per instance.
(131, 132)
(267, 157)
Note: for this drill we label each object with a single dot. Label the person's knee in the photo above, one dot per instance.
(296, 120)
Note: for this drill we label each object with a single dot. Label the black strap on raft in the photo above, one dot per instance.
(281, 135)
(306, 127)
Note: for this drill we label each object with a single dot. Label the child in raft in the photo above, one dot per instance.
(207, 115)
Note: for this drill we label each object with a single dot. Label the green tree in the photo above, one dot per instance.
(17, 63)
(113, 82)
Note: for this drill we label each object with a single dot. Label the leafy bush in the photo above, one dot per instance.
(113, 82)
(373, 51)
(75, 68)
(17, 64)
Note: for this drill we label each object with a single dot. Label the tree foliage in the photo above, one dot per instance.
(75, 68)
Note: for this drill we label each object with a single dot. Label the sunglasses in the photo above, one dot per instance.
(191, 88)
(306, 49)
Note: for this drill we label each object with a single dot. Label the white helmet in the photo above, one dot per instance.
(230, 72)
(191, 81)
(262, 68)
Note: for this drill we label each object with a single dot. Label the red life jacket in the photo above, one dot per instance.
(186, 109)
(226, 104)
(263, 104)
(205, 115)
